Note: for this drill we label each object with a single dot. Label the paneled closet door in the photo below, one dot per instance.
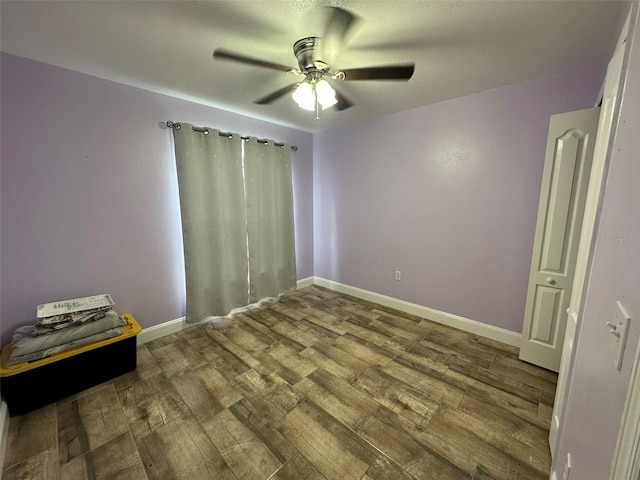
(565, 180)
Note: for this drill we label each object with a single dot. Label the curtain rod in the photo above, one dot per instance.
(178, 126)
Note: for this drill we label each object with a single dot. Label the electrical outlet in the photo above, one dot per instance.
(398, 275)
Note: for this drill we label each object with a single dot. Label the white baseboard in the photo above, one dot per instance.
(305, 282)
(4, 432)
(461, 323)
(157, 331)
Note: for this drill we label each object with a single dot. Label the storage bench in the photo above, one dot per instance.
(28, 386)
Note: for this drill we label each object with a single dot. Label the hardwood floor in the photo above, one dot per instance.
(318, 386)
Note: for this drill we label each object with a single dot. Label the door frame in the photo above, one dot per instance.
(587, 235)
(626, 460)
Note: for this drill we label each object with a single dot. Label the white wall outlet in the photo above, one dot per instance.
(398, 275)
(618, 330)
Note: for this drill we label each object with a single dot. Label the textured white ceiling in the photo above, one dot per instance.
(459, 47)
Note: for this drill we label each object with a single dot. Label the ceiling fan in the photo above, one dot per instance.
(315, 56)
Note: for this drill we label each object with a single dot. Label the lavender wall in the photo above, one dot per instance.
(446, 193)
(89, 200)
(597, 391)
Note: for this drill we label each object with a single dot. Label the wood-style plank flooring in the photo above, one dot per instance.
(318, 386)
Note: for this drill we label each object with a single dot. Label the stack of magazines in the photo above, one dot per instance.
(64, 325)
(68, 313)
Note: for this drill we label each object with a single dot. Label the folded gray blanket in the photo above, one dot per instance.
(24, 343)
(30, 357)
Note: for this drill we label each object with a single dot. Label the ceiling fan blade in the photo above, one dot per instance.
(221, 54)
(391, 72)
(343, 102)
(277, 94)
(339, 23)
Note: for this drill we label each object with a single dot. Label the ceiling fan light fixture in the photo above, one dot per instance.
(326, 94)
(304, 96)
(309, 92)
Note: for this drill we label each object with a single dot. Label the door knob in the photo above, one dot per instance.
(551, 281)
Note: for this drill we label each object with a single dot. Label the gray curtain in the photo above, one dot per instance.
(210, 180)
(237, 221)
(269, 200)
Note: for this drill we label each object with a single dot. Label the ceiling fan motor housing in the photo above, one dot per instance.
(308, 53)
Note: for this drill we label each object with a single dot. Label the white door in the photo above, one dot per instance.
(598, 167)
(565, 180)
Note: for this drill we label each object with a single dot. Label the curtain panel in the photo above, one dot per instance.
(269, 203)
(214, 230)
(236, 203)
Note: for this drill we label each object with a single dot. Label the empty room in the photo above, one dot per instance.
(320, 240)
